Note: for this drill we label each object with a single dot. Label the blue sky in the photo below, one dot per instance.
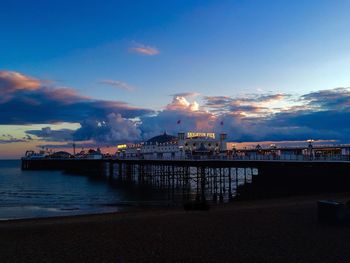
(214, 48)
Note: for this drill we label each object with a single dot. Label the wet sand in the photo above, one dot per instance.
(279, 230)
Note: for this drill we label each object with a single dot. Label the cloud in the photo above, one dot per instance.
(51, 105)
(331, 99)
(173, 121)
(179, 115)
(8, 138)
(48, 134)
(321, 115)
(217, 101)
(113, 129)
(257, 105)
(5, 141)
(186, 94)
(117, 84)
(181, 103)
(11, 82)
(269, 97)
(142, 49)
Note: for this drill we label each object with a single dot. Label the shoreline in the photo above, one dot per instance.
(120, 208)
(269, 230)
(134, 209)
(141, 210)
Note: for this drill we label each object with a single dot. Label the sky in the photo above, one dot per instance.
(101, 73)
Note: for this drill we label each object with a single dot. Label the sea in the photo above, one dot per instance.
(34, 194)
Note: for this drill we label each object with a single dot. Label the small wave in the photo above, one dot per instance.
(133, 204)
(70, 209)
(115, 204)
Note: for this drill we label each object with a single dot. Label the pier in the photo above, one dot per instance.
(213, 180)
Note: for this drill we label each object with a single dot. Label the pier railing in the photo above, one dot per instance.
(247, 158)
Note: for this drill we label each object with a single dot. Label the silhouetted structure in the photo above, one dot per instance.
(216, 180)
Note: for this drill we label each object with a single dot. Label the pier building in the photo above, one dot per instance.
(209, 145)
(307, 152)
(206, 145)
(185, 145)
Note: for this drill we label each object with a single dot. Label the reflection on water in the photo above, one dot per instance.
(28, 194)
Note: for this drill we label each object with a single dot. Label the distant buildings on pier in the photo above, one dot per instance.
(204, 145)
(207, 145)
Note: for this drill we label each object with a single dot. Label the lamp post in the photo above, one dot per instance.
(181, 151)
(74, 148)
(234, 151)
(310, 148)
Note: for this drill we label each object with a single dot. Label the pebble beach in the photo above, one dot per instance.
(275, 230)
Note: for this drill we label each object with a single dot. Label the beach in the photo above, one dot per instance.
(275, 230)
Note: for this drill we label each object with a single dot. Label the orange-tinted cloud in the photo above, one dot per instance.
(11, 81)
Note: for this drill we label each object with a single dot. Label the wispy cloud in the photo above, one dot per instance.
(186, 94)
(117, 84)
(8, 138)
(142, 49)
(257, 105)
(6, 141)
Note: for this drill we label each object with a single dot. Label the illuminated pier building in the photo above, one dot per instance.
(165, 146)
(207, 145)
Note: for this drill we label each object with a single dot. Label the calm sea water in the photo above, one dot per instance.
(31, 194)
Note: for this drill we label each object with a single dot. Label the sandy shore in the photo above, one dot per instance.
(284, 230)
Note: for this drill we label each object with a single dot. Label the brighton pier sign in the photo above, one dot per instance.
(201, 135)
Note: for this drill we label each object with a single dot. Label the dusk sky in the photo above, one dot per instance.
(106, 72)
